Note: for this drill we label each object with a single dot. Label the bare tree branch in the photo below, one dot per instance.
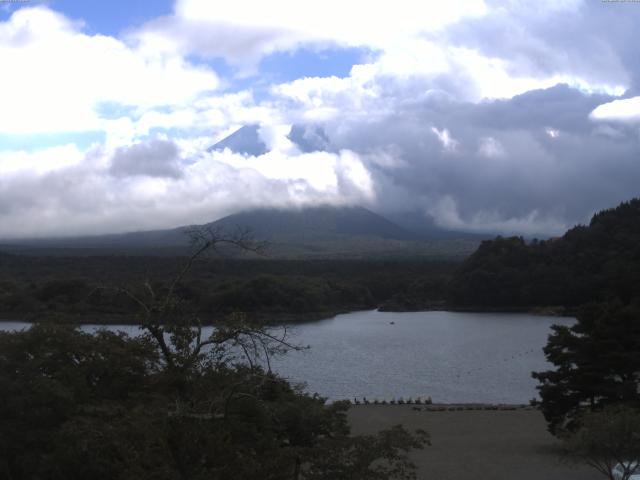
(179, 338)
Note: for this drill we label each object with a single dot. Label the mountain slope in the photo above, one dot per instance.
(245, 140)
(323, 231)
(315, 223)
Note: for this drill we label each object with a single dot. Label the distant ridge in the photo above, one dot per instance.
(320, 231)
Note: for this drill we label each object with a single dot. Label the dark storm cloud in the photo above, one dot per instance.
(157, 158)
(535, 163)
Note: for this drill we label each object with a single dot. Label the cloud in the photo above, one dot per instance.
(448, 144)
(585, 44)
(624, 110)
(148, 185)
(40, 161)
(55, 78)
(244, 31)
(534, 163)
(491, 148)
(445, 212)
(484, 115)
(157, 158)
(488, 49)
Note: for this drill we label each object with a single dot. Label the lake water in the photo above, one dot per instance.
(451, 357)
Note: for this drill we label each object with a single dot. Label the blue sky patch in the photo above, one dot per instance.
(111, 17)
(100, 17)
(282, 67)
(288, 66)
(114, 110)
(34, 142)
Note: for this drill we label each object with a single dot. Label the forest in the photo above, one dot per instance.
(74, 288)
(589, 263)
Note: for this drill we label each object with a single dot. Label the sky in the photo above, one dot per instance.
(507, 116)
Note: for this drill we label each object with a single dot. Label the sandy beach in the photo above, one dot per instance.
(476, 444)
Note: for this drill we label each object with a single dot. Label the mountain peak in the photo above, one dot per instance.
(246, 140)
(309, 138)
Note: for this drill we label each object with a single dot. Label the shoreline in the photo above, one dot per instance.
(129, 319)
(450, 407)
(274, 318)
(548, 310)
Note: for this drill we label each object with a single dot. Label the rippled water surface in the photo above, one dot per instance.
(452, 357)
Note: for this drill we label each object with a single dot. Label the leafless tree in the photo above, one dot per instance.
(178, 332)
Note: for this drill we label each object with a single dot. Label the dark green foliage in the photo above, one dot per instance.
(82, 287)
(51, 375)
(594, 263)
(421, 294)
(107, 406)
(269, 293)
(597, 363)
(347, 456)
(64, 291)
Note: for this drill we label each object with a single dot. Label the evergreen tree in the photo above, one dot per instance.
(597, 363)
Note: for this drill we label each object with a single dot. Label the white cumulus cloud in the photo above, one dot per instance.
(55, 78)
(625, 110)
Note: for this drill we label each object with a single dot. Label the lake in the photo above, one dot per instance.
(449, 356)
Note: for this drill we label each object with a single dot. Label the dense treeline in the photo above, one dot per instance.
(597, 262)
(39, 287)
